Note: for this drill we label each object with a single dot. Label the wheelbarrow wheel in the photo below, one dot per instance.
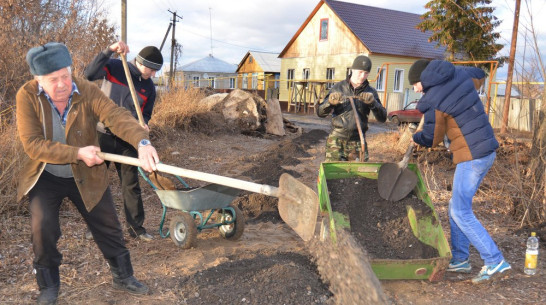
(232, 231)
(183, 230)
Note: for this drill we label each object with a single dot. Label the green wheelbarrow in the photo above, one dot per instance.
(198, 206)
(298, 204)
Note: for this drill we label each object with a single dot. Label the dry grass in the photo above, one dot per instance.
(175, 108)
(12, 154)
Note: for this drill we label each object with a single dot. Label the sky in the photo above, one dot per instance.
(228, 29)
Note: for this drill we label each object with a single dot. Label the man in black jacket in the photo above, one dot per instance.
(142, 69)
(343, 143)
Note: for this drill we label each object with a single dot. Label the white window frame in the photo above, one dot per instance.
(232, 82)
(245, 81)
(254, 80)
(380, 84)
(277, 77)
(398, 85)
(196, 81)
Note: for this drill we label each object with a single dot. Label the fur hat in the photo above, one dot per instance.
(48, 58)
(362, 62)
(150, 57)
(414, 75)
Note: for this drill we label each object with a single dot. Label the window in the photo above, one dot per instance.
(398, 80)
(231, 82)
(254, 80)
(196, 81)
(305, 74)
(277, 77)
(380, 85)
(250, 59)
(323, 29)
(289, 78)
(245, 80)
(212, 82)
(330, 77)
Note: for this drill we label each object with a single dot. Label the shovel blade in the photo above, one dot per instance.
(395, 183)
(298, 206)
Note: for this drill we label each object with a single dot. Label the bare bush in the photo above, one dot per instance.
(12, 154)
(81, 25)
(184, 109)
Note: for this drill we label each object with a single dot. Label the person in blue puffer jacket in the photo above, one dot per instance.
(452, 107)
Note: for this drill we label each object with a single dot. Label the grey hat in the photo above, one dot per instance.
(48, 58)
(150, 57)
(362, 62)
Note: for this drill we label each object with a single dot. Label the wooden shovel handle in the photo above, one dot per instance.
(132, 88)
(211, 178)
(357, 119)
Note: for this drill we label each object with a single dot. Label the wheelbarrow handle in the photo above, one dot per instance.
(211, 178)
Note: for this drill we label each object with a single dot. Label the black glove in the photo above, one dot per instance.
(367, 98)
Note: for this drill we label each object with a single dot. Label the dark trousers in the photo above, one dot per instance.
(128, 176)
(45, 201)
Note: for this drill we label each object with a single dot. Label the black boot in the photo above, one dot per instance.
(49, 282)
(122, 275)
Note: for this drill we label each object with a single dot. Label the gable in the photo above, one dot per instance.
(307, 42)
(361, 29)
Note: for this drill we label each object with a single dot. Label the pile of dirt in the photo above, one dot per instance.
(264, 279)
(269, 167)
(382, 227)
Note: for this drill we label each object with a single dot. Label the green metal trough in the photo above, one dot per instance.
(426, 228)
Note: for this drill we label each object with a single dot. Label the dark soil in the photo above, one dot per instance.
(382, 227)
(264, 279)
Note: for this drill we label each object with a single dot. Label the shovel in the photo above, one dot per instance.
(395, 180)
(132, 88)
(298, 204)
(360, 134)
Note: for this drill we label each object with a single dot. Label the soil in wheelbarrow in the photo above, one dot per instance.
(380, 226)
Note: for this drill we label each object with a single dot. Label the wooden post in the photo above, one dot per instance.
(508, 90)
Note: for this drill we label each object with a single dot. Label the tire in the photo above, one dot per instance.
(232, 231)
(183, 231)
(395, 120)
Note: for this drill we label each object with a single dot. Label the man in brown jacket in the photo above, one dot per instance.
(56, 119)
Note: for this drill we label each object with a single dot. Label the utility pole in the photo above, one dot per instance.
(210, 25)
(173, 47)
(508, 90)
(124, 20)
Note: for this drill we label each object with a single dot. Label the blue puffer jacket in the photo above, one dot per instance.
(452, 106)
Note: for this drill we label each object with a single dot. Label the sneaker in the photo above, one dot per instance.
(145, 237)
(462, 267)
(490, 272)
(88, 235)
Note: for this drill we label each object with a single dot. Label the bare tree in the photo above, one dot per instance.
(533, 70)
(81, 25)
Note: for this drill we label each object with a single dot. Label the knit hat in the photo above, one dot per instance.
(48, 58)
(414, 75)
(150, 57)
(362, 62)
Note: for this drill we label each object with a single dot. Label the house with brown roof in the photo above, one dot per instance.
(322, 50)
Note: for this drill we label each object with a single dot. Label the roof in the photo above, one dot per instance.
(269, 62)
(209, 64)
(383, 31)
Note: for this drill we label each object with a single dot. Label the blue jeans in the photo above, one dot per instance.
(466, 229)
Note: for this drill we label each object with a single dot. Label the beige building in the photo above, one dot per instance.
(322, 50)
